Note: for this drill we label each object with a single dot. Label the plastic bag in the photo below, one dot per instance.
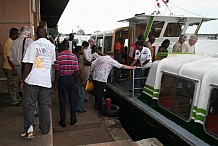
(89, 85)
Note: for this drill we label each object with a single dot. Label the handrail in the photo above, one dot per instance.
(133, 81)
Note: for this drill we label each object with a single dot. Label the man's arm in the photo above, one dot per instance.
(27, 69)
(128, 67)
(134, 62)
(14, 72)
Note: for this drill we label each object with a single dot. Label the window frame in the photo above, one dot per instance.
(193, 98)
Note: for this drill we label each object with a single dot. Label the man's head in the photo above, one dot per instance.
(41, 31)
(85, 44)
(193, 39)
(139, 44)
(151, 39)
(182, 38)
(26, 31)
(141, 37)
(91, 42)
(13, 34)
(65, 45)
(71, 36)
(79, 50)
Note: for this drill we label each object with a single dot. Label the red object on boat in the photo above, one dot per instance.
(108, 104)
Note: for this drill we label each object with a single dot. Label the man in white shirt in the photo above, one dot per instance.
(142, 59)
(36, 82)
(100, 69)
(189, 47)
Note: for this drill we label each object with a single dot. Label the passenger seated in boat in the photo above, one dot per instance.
(177, 47)
(143, 60)
(189, 47)
(162, 51)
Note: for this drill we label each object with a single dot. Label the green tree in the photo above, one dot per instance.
(80, 31)
(53, 32)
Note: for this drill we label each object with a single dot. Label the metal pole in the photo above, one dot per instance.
(133, 83)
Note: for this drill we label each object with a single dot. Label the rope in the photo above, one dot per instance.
(186, 10)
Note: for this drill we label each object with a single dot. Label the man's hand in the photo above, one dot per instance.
(21, 85)
(134, 67)
(55, 85)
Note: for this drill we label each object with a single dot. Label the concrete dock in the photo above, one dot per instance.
(92, 129)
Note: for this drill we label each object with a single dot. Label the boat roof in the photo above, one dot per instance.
(143, 17)
(200, 68)
(192, 66)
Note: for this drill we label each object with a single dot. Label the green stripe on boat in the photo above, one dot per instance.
(200, 110)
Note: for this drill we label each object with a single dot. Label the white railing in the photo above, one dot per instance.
(133, 81)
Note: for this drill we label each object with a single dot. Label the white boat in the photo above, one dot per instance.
(181, 91)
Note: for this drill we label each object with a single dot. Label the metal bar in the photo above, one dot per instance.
(196, 31)
(133, 83)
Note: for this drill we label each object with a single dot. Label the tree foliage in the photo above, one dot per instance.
(53, 32)
(81, 32)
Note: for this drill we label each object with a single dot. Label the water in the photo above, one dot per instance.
(206, 46)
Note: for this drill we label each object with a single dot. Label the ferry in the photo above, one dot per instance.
(181, 91)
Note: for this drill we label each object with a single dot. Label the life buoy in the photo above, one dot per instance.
(165, 1)
(114, 112)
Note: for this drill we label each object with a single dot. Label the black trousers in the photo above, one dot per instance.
(99, 92)
(67, 85)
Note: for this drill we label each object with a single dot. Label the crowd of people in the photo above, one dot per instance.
(28, 64)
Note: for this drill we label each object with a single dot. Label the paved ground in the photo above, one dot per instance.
(92, 129)
(11, 125)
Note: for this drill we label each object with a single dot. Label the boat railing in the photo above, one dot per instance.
(133, 82)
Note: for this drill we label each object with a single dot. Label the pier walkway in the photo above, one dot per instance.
(92, 129)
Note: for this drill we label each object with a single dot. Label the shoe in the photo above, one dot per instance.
(16, 104)
(73, 122)
(62, 125)
(29, 135)
(97, 108)
(81, 111)
(36, 114)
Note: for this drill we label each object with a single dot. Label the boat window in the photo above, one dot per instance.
(176, 95)
(107, 44)
(140, 29)
(156, 28)
(174, 29)
(192, 28)
(99, 41)
(212, 117)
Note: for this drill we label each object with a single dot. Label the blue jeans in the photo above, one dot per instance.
(67, 85)
(81, 96)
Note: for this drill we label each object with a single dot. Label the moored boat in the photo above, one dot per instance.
(181, 91)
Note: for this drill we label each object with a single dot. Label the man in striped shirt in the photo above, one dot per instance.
(66, 67)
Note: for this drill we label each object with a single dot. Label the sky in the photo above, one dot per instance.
(94, 15)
